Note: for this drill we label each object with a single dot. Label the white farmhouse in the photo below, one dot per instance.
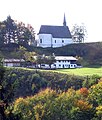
(65, 62)
(54, 36)
(13, 62)
(62, 62)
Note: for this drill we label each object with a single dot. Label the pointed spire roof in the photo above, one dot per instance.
(64, 20)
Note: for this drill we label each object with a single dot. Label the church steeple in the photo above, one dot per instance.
(64, 20)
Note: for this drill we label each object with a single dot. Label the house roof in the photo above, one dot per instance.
(56, 31)
(13, 60)
(65, 58)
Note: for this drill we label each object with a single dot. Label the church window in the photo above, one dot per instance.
(62, 41)
(55, 41)
(40, 40)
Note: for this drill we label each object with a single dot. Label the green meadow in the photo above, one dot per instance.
(81, 71)
(85, 71)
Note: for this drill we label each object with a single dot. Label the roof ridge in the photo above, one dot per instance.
(56, 31)
(55, 25)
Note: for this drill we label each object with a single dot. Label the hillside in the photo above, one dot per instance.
(31, 81)
(42, 95)
(91, 53)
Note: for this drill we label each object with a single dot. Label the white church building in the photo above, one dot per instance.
(54, 36)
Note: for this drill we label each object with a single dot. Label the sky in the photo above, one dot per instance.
(51, 12)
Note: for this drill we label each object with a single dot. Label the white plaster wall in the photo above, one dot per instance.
(59, 42)
(49, 41)
(62, 64)
(11, 64)
(65, 64)
(46, 40)
(8, 64)
(73, 65)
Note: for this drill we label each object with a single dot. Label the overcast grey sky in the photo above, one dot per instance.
(51, 12)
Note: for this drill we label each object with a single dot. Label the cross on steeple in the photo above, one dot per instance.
(64, 20)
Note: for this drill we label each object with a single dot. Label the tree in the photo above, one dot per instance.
(42, 59)
(29, 58)
(2, 33)
(10, 29)
(50, 60)
(99, 112)
(13, 32)
(25, 34)
(31, 35)
(78, 33)
(21, 51)
(6, 93)
(2, 102)
(96, 94)
(7, 87)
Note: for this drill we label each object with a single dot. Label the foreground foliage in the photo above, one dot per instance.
(51, 105)
(31, 81)
(44, 95)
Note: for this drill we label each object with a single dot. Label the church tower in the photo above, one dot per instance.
(64, 20)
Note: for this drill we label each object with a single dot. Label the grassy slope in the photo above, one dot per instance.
(81, 71)
(78, 71)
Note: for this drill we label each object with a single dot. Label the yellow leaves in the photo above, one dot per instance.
(99, 110)
(19, 100)
(39, 111)
(96, 93)
(29, 56)
(71, 91)
(33, 86)
(83, 105)
(23, 107)
(0, 87)
(7, 112)
(99, 85)
(20, 104)
(92, 87)
(47, 93)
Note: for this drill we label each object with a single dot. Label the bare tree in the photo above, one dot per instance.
(78, 33)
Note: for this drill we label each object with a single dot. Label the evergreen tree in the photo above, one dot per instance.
(13, 32)
(11, 28)
(2, 33)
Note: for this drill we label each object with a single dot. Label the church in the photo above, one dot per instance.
(54, 36)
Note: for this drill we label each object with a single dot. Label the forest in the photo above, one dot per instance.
(42, 95)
